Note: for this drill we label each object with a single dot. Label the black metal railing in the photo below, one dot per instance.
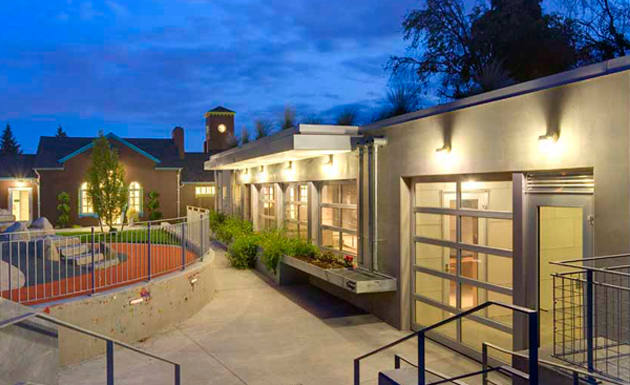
(592, 314)
(110, 343)
(532, 323)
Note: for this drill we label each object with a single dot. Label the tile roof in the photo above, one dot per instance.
(17, 166)
(221, 110)
(194, 170)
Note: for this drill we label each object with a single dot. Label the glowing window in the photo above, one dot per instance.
(135, 197)
(85, 202)
(201, 191)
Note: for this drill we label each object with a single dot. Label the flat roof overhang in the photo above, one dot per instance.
(302, 142)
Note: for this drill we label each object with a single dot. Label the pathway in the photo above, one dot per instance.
(254, 333)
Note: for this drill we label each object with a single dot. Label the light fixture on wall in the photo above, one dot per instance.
(547, 142)
(290, 165)
(328, 166)
(262, 168)
(446, 149)
(245, 176)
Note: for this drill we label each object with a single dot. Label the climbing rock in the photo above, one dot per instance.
(43, 226)
(51, 248)
(16, 232)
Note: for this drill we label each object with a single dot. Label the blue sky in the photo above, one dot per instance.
(139, 68)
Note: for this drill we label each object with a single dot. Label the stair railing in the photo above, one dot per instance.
(110, 342)
(532, 335)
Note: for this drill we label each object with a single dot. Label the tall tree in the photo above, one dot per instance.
(463, 48)
(106, 180)
(349, 116)
(288, 119)
(61, 133)
(263, 128)
(604, 27)
(8, 143)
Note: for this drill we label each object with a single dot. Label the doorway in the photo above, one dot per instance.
(20, 203)
(562, 226)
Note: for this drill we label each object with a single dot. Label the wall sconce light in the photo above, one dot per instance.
(262, 168)
(290, 165)
(328, 166)
(446, 149)
(546, 142)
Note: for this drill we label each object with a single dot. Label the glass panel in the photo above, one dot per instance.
(431, 194)
(330, 239)
(304, 193)
(436, 288)
(475, 333)
(291, 212)
(330, 193)
(349, 193)
(290, 193)
(436, 226)
(331, 217)
(292, 229)
(487, 232)
(303, 211)
(436, 257)
(495, 196)
(473, 296)
(303, 231)
(349, 243)
(428, 315)
(349, 219)
(491, 268)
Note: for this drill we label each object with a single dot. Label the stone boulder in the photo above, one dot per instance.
(42, 226)
(6, 216)
(51, 248)
(16, 232)
(5, 225)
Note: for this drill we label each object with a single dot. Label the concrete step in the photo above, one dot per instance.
(403, 376)
(73, 250)
(106, 263)
(86, 259)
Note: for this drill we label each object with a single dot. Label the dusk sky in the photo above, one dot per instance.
(140, 68)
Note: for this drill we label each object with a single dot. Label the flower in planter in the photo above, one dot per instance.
(348, 261)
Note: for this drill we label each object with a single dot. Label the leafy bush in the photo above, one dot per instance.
(216, 220)
(328, 257)
(302, 248)
(232, 228)
(243, 251)
(153, 205)
(275, 245)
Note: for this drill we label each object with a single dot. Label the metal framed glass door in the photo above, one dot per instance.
(560, 227)
(20, 203)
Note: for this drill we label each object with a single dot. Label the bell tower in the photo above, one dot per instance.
(219, 129)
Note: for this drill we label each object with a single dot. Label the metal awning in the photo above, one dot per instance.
(302, 142)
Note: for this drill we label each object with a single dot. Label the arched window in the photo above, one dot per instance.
(85, 202)
(135, 197)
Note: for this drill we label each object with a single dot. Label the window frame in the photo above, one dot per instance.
(210, 191)
(458, 245)
(301, 223)
(263, 199)
(341, 207)
(85, 200)
(140, 198)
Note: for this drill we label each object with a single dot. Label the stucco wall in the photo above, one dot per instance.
(138, 169)
(188, 198)
(168, 301)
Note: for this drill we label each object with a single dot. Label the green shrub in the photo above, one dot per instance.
(232, 228)
(302, 248)
(216, 220)
(63, 208)
(328, 257)
(275, 245)
(243, 251)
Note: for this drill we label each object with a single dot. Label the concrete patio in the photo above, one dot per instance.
(256, 333)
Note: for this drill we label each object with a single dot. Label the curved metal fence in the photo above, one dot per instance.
(39, 267)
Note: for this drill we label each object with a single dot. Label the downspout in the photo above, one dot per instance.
(373, 145)
(361, 148)
(39, 199)
(179, 186)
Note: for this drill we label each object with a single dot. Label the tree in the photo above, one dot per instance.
(460, 48)
(288, 119)
(244, 135)
(263, 128)
(153, 205)
(349, 116)
(230, 140)
(8, 143)
(61, 133)
(603, 25)
(63, 208)
(402, 98)
(106, 183)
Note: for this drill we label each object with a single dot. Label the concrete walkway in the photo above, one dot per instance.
(255, 333)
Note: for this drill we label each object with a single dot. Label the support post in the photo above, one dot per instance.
(183, 246)
(484, 363)
(532, 335)
(421, 361)
(202, 221)
(110, 363)
(357, 372)
(396, 361)
(178, 375)
(93, 263)
(149, 251)
(590, 348)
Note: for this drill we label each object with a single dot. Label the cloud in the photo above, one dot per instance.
(117, 9)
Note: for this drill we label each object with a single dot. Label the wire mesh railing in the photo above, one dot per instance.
(592, 315)
(38, 267)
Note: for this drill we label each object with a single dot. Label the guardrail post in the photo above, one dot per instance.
(421, 362)
(110, 363)
(357, 372)
(201, 226)
(484, 363)
(532, 334)
(178, 375)
(396, 361)
(149, 250)
(93, 264)
(183, 246)
(590, 348)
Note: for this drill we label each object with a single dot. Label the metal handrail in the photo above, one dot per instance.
(533, 338)
(557, 365)
(110, 343)
(398, 358)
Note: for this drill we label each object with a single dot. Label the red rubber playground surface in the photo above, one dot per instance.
(164, 259)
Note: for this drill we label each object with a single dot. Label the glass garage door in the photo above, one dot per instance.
(462, 257)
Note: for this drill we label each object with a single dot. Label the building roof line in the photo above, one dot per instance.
(111, 135)
(573, 76)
